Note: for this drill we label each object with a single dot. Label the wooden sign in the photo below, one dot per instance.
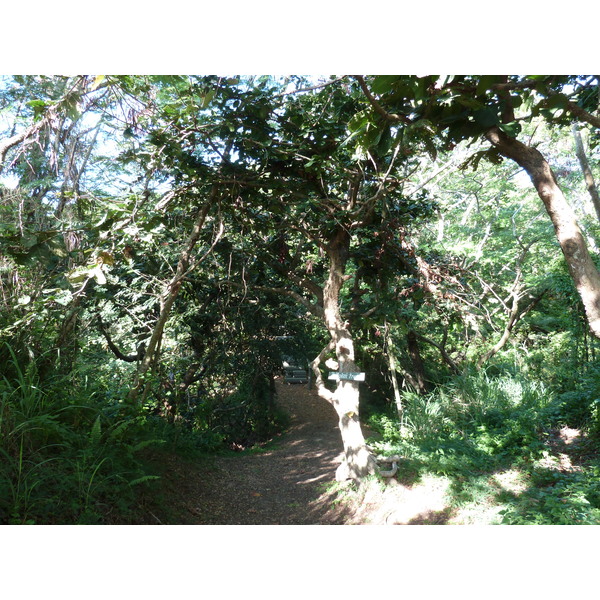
(346, 376)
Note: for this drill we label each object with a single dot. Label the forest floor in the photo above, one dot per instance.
(291, 481)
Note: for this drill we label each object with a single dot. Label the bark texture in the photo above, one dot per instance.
(581, 267)
(358, 461)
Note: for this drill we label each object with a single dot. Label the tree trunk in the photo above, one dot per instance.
(393, 372)
(581, 267)
(358, 461)
(167, 299)
(417, 361)
(588, 177)
(513, 317)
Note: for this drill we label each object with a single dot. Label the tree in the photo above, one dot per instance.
(469, 107)
(47, 149)
(225, 193)
(315, 212)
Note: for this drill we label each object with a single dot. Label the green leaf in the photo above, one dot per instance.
(39, 107)
(57, 247)
(431, 149)
(358, 121)
(486, 117)
(64, 297)
(29, 240)
(470, 102)
(386, 142)
(373, 135)
(516, 101)
(513, 129)
(144, 479)
(96, 431)
(384, 83)
(491, 155)
(117, 432)
(145, 443)
(557, 101)
(207, 98)
(80, 274)
(484, 83)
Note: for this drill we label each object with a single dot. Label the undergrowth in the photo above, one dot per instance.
(75, 452)
(66, 456)
(480, 430)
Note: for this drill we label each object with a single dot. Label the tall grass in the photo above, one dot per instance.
(473, 424)
(469, 403)
(62, 460)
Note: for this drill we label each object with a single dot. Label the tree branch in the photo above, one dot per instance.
(390, 117)
(315, 309)
(315, 364)
(442, 350)
(115, 350)
(582, 114)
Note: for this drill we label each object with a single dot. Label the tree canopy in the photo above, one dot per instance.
(166, 241)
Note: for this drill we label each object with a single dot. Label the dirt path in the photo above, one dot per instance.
(282, 485)
(289, 483)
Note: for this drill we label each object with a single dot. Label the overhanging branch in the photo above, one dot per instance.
(313, 308)
(389, 117)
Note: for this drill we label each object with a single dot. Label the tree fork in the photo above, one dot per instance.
(358, 461)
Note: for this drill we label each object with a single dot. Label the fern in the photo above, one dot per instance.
(118, 430)
(96, 432)
(143, 479)
(144, 444)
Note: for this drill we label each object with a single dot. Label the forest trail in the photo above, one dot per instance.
(290, 481)
(282, 485)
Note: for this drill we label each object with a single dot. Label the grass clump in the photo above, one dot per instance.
(65, 456)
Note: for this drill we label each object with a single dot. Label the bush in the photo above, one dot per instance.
(557, 498)
(474, 420)
(576, 404)
(245, 417)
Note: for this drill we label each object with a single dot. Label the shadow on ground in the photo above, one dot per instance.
(283, 485)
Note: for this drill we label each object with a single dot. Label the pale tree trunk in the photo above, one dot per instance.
(167, 299)
(581, 267)
(358, 462)
(588, 176)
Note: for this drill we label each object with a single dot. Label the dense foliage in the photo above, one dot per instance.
(166, 241)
